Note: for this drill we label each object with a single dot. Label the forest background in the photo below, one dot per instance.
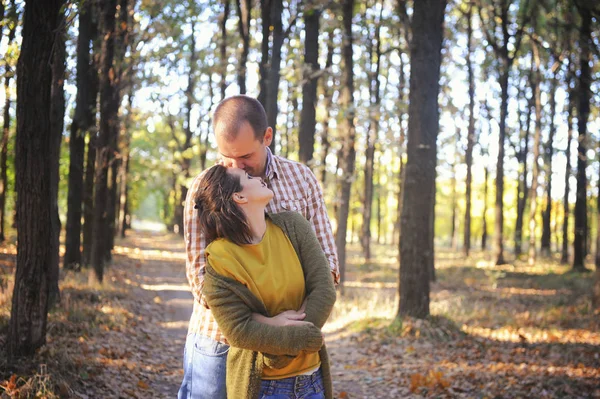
(468, 129)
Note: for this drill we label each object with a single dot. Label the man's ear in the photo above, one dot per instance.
(239, 198)
(268, 137)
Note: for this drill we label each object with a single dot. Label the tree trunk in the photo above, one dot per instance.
(57, 118)
(124, 217)
(222, 48)
(306, 137)
(275, 67)
(470, 136)
(263, 66)
(8, 75)
(523, 188)
(416, 248)
(108, 121)
(484, 233)
(535, 172)
(327, 102)
(34, 173)
(499, 207)
(401, 105)
(549, 153)
(82, 121)
(243, 9)
(582, 118)
(88, 200)
(347, 153)
(372, 134)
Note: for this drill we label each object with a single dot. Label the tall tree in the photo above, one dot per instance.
(306, 136)
(522, 186)
(222, 48)
(548, 154)
(347, 154)
(535, 79)
(416, 248)
(583, 111)
(470, 132)
(374, 67)
(11, 22)
(327, 106)
(243, 9)
(506, 46)
(57, 118)
(109, 109)
(274, 75)
(34, 174)
(83, 120)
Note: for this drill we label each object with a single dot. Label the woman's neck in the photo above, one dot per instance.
(257, 223)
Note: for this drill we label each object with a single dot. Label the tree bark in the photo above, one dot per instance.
(33, 164)
(263, 66)
(523, 188)
(57, 118)
(549, 153)
(83, 120)
(564, 259)
(583, 111)
(484, 233)
(347, 153)
(416, 248)
(8, 75)
(401, 140)
(108, 121)
(306, 137)
(327, 102)
(243, 9)
(274, 69)
(372, 134)
(222, 47)
(470, 135)
(535, 171)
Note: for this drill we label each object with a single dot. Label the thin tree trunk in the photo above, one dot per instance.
(34, 174)
(454, 200)
(535, 171)
(373, 132)
(124, 170)
(108, 120)
(8, 75)
(470, 135)
(275, 67)
(88, 199)
(523, 188)
(401, 102)
(546, 231)
(499, 207)
(327, 100)
(263, 66)
(223, 47)
(57, 118)
(347, 154)
(82, 120)
(484, 233)
(243, 9)
(306, 137)
(416, 248)
(582, 118)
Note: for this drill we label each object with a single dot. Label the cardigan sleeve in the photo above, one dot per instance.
(232, 306)
(320, 291)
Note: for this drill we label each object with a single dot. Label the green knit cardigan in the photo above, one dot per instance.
(255, 345)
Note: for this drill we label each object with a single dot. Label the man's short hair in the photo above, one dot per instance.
(232, 112)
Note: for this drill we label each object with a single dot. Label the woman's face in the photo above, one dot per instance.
(253, 188)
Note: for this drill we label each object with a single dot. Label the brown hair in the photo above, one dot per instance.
(235, 110)
(218, 214)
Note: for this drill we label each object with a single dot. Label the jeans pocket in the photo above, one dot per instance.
(209, 347)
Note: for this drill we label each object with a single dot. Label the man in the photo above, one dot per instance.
(243, 138)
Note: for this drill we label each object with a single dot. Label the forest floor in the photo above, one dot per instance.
(495, 332)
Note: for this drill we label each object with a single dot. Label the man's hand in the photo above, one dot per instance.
(283, 319)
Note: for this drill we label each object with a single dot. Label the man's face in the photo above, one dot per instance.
(244, 151)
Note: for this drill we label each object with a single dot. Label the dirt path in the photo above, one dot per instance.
(161, 272)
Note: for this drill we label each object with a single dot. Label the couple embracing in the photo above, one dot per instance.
(262, 265)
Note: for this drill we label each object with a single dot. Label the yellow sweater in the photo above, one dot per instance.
(272, 271)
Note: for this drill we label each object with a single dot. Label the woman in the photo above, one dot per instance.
(258, 267)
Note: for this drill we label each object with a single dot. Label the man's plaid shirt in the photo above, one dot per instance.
(295, 188)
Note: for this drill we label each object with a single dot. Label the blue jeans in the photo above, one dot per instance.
(299, 387)
(204, 361)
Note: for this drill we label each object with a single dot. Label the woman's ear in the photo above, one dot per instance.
(239, 198)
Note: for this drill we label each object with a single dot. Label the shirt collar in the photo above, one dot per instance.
(271, 166)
